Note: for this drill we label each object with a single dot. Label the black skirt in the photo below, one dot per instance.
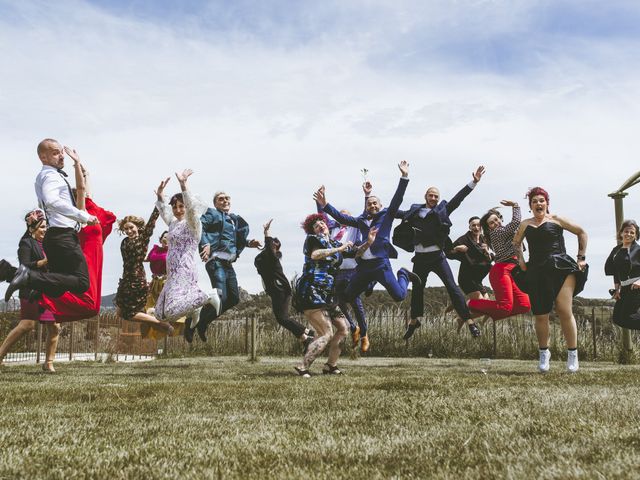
(625, 311)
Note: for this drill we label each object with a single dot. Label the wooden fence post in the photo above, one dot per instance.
(38, 341)
(71, 342)
(495, 340)
(246, 335)
(254, 346)
(97, 339)
(593, 332)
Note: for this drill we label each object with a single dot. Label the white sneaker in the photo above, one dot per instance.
(214, 300)
(572, 361)
(545, 356)
(195, 317)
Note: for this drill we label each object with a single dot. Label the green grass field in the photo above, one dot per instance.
(386, 418)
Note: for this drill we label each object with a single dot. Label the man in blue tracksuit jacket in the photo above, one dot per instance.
(224, 237)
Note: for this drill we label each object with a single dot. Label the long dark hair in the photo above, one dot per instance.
(485, 226)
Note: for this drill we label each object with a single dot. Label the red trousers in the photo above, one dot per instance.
(510, 300)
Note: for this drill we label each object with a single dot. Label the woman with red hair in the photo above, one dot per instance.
(552, 276)
(315, 293)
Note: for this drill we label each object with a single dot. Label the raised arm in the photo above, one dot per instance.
(331, 224)
(466, 190)
(321, 199)
(367, 188)
(52, 191)
(402, 187)
(81, 188)
(163, 208)
(516, 216)
(194, 207)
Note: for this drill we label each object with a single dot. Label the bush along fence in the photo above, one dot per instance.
(107, 337)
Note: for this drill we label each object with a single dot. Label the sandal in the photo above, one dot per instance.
(331, 370)
(303, 372)
(47, 367)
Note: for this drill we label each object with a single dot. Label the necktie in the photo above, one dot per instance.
(340, 233)
(63, 174)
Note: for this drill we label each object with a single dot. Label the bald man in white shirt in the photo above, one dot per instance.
(66, 263)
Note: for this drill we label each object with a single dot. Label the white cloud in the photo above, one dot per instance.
(269, 119)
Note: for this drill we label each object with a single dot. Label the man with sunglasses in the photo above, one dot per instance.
(224, 237)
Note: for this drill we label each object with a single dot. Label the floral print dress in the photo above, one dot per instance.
(181, 295)
(132, 292)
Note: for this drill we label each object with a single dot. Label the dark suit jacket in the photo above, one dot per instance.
(29, 252)
(382, 247)
(435, 227)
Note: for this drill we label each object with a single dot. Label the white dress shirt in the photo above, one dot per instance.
(54, 198)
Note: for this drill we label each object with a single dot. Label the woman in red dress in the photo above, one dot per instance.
(70, 306)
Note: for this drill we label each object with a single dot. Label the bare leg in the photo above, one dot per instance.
(52, 344)
(335, 345)
(542, 330)
(564, 309)
(22, 328)
(322, 326)
(150, 320)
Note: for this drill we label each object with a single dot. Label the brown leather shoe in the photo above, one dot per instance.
(364, 345)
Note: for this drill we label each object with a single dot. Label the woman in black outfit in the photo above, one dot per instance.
(31, 255)
(277, 286)
(624, 264)
(553, 278)
(472, 252)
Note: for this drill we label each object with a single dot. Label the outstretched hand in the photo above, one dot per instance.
(72, 153)
(160, 190)
(254, 244)
(478, 174)
(404, 168)
(182, 177)
(372, 235)
(367, 188)
(266, 227)
(508, 203)
(320, 197)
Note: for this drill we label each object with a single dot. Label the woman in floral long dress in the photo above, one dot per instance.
(132, 292)
(181, 295)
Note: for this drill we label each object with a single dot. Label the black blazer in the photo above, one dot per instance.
(623, 264)
(29, 252)
(270, 269)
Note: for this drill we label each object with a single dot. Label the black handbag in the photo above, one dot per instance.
(404, 236)
(520, 278)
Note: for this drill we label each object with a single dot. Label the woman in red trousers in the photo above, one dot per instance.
(509, 299)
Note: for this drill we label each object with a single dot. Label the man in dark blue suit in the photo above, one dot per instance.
(374, 265)
(431, 225)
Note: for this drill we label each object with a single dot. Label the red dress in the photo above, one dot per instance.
(70, 306)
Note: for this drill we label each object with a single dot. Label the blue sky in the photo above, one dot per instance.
(268, 100)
